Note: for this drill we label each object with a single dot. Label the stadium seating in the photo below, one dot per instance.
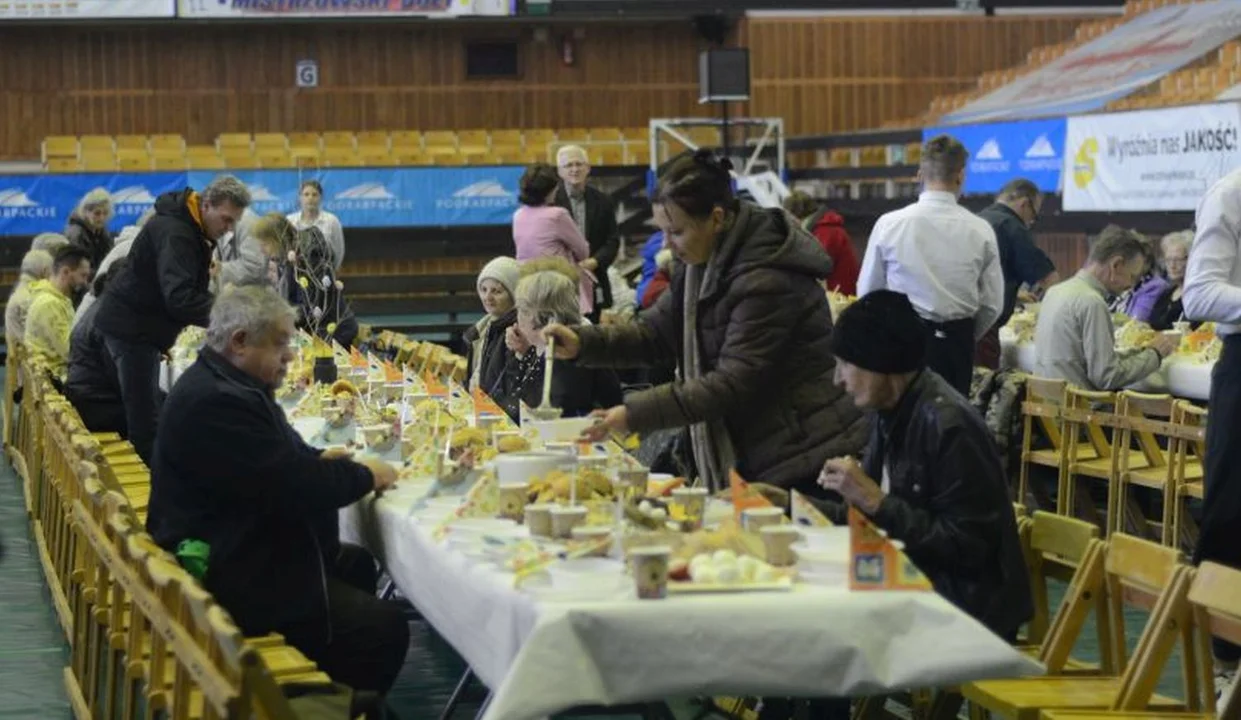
(242, 151)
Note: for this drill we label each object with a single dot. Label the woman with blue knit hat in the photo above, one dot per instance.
(497, 285)
(931, 474)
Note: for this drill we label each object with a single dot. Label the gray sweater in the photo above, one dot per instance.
(1075, 339)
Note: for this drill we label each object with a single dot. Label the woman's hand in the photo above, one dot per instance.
(516, 341)
(613, 420)
(568, 344)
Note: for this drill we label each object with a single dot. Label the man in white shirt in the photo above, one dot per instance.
(1213, 292)
(945, 259)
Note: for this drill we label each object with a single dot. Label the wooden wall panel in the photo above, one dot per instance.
(820, 74)
(836, 74)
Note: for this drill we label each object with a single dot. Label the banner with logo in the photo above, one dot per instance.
(361, 197)
(1150, 160)
(1130, 57)
(1000, 152)
(84, 9)
(284, 9)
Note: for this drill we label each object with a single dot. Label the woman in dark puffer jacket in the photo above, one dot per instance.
(747, 323)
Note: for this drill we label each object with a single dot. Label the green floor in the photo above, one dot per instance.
(32, 650)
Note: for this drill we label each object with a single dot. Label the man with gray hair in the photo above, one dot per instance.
(595, 215)
(165, 289)
(231, 473)
(1075, 340)
(944, 259)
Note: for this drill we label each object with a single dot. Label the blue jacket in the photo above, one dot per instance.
(649, 251)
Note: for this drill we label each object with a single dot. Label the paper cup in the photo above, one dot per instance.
(753, 519)
(693, 502)
(539, 519)
(650, 571)
(778, 541)
(596, 534)
(565, 518)
(632, 483)
(513, 499)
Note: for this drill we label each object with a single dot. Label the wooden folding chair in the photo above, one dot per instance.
(1091, 414)
(1145, 419)
(1188, 451)
(1041, 409)
(1139, 573)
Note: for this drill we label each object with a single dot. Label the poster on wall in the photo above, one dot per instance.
(84, 9)
(1153, 160)
(1000, 152)
(1110, 67)
(284, 9)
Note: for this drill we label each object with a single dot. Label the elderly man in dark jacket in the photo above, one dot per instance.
(931, 473)
(164, 290)
(595, 215)
(229, 471)
(753, 354)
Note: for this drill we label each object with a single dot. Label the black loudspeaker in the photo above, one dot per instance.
(724, 75)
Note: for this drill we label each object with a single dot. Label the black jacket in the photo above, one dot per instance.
(602, 234)
(96, 242)
(92, 374)
(229, 470)
(494, 353)
(948, 502)
(166, 286)
(576, 389)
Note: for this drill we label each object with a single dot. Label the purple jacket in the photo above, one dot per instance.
(1143, 298)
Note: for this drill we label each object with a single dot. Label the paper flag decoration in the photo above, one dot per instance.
(875, 563)
(743, 497)
(482, 501)
(392, 374)
(484, 405)
(805, 513)
(435, 388)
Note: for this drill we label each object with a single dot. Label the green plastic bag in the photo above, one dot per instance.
(193, 554)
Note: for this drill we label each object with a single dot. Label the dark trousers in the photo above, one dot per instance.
(137, 369)
(988, 351)
(369, 636)
(100, 415)
(1221, 504)
(950, 352)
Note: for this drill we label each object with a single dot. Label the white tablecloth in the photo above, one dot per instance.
(540, 657)
(1177, 376)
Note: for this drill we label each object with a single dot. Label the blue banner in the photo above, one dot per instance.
(360, 197)
(1000, 152)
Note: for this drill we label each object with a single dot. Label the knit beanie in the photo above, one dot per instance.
(504, 271)
(882, 333)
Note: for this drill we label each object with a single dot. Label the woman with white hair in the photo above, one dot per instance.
(1168, 308)
(88, 225)
(49, 242)
(548, 293)
(36, 265)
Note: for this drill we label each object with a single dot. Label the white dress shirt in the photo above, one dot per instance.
(942, 256)
(1213, 274)
(331, 228)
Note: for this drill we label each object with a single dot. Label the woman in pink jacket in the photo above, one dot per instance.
(543, 229)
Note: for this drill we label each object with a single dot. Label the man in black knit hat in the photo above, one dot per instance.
(931, 474)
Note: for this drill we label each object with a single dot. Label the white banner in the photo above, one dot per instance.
(84, 9)
(1152, 160)
(284, 9)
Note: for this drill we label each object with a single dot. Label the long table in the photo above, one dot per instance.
(540, 656)
(1177, 376)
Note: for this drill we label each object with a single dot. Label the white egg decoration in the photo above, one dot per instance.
(658, 514)
(698, 561)
(705, 574)
(748, 567)
(644, 507)
(727, 573)
(724, 556)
